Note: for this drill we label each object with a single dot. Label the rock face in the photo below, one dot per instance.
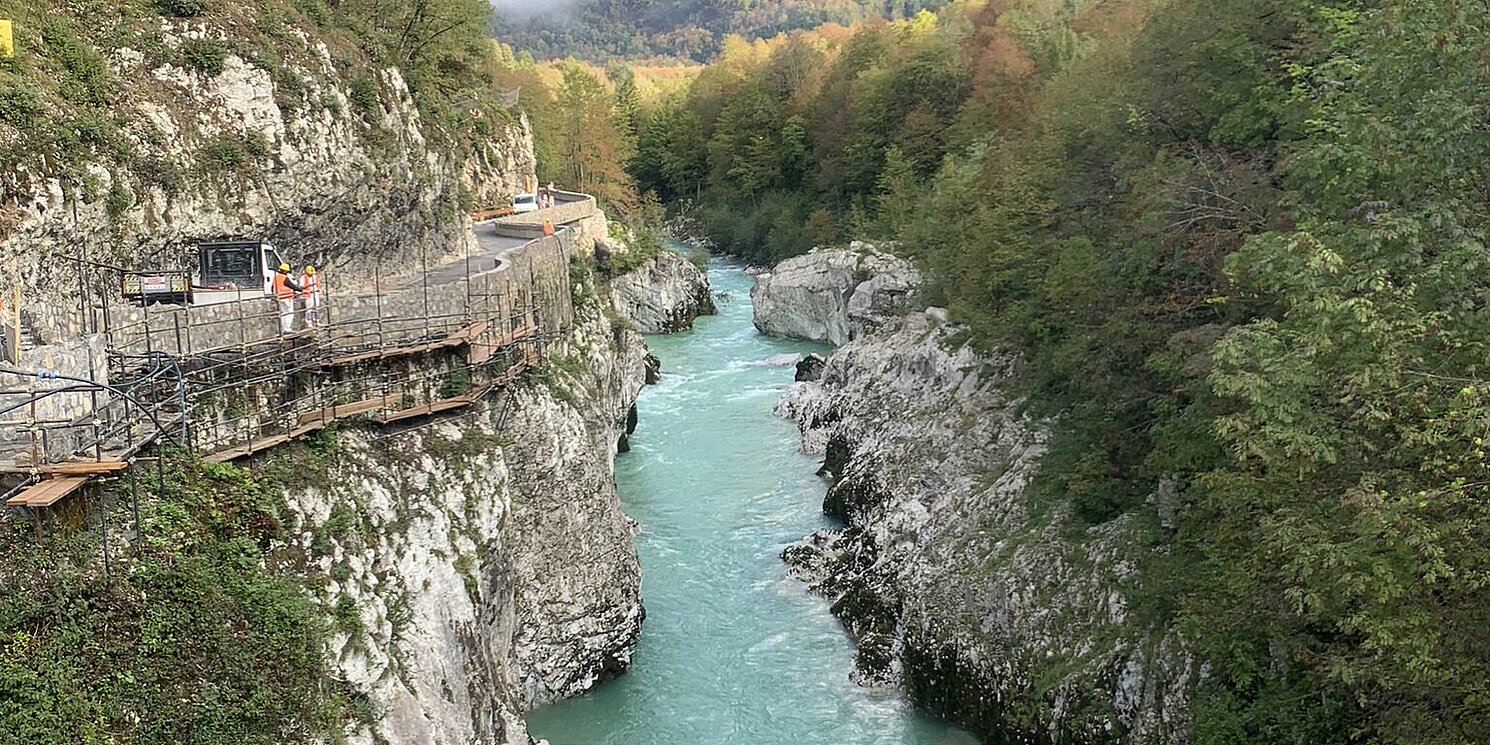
(810, 368)
(579, 584)
(1015, 622)
(832, 295)
(341, 183)
(481, 565)
(663, 295)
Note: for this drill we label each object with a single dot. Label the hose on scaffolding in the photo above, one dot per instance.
(82, 384)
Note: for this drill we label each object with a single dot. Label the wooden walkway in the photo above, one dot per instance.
(59, 480)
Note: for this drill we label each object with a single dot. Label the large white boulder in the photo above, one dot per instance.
(832, 295)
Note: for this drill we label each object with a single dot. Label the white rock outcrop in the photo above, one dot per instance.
(832, 295)
(1013, 621)
(481, 565)
(664, 294)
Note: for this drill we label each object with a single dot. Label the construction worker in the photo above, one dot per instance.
(548, 227)
(285, 288)
(310, 290)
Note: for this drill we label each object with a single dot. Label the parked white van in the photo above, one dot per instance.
(525, 203)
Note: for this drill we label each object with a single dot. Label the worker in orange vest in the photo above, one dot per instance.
(284, 296)
(310, 291)
(548, 227)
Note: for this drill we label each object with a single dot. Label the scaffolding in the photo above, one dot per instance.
(224, 382)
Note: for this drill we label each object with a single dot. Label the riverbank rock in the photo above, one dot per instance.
(663, 295)
(810, 368)
(832, 295)
(1013, 620)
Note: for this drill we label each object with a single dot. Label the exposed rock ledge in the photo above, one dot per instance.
(663, 295)
(832, 295)
(1013, 622)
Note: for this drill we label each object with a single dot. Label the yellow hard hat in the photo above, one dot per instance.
(310, 269)
(284, 267)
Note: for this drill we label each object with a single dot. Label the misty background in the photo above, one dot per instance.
(530, 8)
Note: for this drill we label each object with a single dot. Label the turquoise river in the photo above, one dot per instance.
(732, 651)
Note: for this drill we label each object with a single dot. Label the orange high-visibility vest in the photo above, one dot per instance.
(310, 285)
(282, 289)
(548, 227)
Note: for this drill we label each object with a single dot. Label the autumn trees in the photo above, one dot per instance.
(1240, 247)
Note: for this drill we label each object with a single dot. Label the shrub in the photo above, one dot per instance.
(256, 144)
(162, 172)
(86, 78)
(120, 199)
(224, 154)
(205, 56)
(289, 90)
(20, 103)
(363, 93)
(182, 8)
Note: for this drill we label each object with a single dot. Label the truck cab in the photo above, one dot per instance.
(525, 202)
(236, 264)
(226, 271)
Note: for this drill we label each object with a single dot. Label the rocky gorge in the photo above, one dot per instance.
(463, 568)
(988, 609)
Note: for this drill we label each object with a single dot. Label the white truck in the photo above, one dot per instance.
(226, 271)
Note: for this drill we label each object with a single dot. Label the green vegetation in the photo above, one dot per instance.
(60, 99)
(1241, 246)
(690, 29)
(190, 638)
(642, 245)
(224, 154)
(204, 55)
(182, 8)
(363, 93)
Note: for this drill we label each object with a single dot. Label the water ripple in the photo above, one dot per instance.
(732, 651)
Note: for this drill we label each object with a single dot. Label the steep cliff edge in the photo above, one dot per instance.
(1012, 620)
(482, 565)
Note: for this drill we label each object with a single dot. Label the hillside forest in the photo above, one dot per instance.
(1240, 248)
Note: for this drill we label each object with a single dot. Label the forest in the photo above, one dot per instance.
(605, 30)
(1240, 246)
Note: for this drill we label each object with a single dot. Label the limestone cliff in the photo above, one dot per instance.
(306, 144)
(664, 294)
(1011, 620)
(477, 565)
(832, 295)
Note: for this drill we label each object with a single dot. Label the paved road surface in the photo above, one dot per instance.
(491, 248)
(485, 258)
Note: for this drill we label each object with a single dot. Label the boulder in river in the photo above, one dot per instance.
(833, 295)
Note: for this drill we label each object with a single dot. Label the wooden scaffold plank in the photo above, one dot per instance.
(77, 468)
(47, 492)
